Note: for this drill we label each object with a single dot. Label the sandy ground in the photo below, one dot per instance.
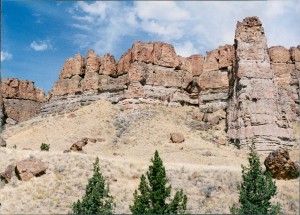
(208, 172)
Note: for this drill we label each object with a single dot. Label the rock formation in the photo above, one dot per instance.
(247, 89)
(260, 102)
(21, 99)
(2, 113)
(279, 164)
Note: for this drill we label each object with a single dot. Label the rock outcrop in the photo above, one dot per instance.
(248, 90)
(2, 112)
(255, 111)
(21, 100)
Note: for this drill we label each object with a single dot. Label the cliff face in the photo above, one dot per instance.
(21, 100)
(249, 90)
(262, 105)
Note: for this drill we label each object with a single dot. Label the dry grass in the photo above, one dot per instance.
(209, 173)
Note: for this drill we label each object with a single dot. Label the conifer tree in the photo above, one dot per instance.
(154, 194)
(96, 199)
(256, 189)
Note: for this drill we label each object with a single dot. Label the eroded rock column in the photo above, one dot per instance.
(253, 112)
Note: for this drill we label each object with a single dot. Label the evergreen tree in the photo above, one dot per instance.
(96, 199)
(256, 189)
(154, 192)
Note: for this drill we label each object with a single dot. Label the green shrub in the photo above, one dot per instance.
(96, 199)
(154, 193)
(256, 189)
(45, 147)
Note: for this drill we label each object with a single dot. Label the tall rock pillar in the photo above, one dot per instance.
(252, 112)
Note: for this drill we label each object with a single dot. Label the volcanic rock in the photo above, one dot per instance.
(27, 169)
(279, 164)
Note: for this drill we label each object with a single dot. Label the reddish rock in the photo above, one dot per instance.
(13, 88)
(93, 62)
(73, 66)
(108, 65)
(218, 59)
(213, 80)
(279, 54)
(124, 63)
(279, 164)
(27, 169)
(8, 173)
(177, 137)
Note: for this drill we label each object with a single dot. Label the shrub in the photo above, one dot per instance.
(45, 147)
(154, 193)
(256, 189)
(96, 199)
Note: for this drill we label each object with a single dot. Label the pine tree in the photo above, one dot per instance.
(154, 192)
(96, 199)
(256, 189)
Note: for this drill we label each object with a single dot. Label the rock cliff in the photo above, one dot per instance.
(21, 100)
(246, 89)
(263, 91)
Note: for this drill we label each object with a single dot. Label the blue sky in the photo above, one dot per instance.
(38, 36)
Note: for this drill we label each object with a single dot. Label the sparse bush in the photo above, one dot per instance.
(153, 193)
(96, 199)
(45, 147)
(208, 190)
(256, 189)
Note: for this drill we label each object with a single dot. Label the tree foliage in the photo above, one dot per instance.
(96, 199)
(154, 194)
(256, 189)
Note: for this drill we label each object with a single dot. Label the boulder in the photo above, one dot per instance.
(8, 173)
(279, 54)
(29, 168)
(177, 137)
(79, 144)
(279, 164)
(2, 142)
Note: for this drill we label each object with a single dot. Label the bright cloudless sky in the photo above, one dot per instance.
(38, 36)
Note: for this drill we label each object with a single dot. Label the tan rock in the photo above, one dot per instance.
(177, 137)
(8, 173)
(90, 81)
(213, 80)
(295, 54)
(193, 64)
(27, 169)
(279, 54)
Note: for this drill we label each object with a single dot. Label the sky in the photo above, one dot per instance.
(38, 36)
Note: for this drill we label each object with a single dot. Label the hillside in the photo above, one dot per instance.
(195, 164)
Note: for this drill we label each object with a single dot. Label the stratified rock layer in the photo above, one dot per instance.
(257, 108)
(21, 99)
(248, 90)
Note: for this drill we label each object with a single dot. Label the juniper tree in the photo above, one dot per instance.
(256, 189)
(96, 199)
(154, 193)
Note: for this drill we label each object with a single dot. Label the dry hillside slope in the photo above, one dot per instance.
(207, 171)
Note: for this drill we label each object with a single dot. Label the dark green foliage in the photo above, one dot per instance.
(256, 189)
(154, 194)
(96, 199)
(45, 147)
